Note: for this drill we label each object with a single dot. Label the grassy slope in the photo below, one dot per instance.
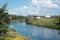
(12, 35)
(45, 22)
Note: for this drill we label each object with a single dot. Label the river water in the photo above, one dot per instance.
(35, 32)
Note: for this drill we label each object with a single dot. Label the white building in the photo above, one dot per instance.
(48, 16)
(38, 17)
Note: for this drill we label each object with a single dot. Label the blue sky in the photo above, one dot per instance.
(32, 7)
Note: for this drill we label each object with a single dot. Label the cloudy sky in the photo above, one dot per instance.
(32, 7)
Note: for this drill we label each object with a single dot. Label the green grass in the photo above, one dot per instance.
(10, 38)
(44, 22)
(13, 35)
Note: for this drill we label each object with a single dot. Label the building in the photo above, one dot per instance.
(48, 16)
(38, 17)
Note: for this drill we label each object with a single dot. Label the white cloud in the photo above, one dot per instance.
(14, 11)
(44, 3)
(25, 10)
(33, 8)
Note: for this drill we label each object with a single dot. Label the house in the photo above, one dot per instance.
(38, 17)
(48, 16)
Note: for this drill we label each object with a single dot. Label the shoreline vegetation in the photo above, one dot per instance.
(45, 22)
(13, 35)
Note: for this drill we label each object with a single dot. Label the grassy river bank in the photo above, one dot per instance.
(43, 22)
(13, 35)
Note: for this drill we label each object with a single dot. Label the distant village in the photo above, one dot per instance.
(30, 16)
(38, 17)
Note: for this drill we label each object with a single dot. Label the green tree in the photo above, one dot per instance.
(4, 21)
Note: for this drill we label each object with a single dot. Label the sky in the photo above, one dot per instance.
(32, 7)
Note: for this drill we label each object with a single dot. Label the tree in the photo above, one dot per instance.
(4, 21)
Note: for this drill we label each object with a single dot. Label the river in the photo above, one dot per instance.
(35, 32)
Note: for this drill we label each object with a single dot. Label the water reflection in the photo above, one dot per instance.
(59, 32)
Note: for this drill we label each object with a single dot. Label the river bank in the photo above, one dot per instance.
(13, 35)
(16, 36)
(43, 22)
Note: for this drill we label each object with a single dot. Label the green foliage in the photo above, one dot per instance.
(57, 21)
(3, 8)
(15, 17)
(44, 22)
(4, 21)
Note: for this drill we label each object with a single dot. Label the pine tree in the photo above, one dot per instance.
(4, 21)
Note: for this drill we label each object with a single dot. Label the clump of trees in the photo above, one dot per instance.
(4, 21)
(16, 17)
